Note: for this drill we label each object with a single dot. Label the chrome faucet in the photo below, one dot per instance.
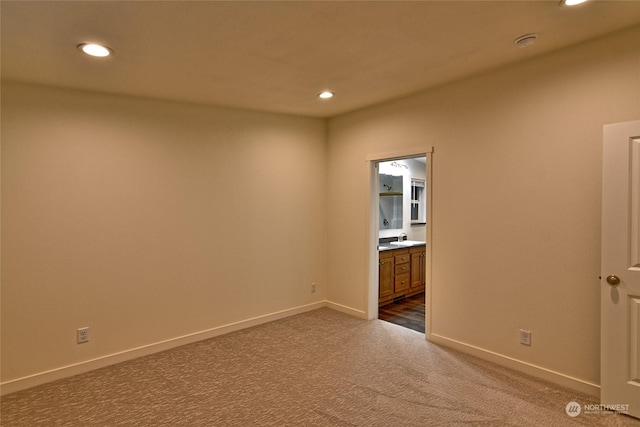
(401, 237)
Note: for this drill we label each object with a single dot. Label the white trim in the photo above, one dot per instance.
(428, 295)
(347, 310)
(395, 155)
(29, 381)
(527, 368)
(372, 279)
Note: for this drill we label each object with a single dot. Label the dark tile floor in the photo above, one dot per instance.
(407, 312)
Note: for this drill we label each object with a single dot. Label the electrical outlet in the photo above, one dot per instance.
(313, 287)
(83, 335)
(525, 337)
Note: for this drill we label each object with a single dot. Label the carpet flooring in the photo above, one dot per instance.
(321, 368)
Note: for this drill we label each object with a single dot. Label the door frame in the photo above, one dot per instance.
(373, 224)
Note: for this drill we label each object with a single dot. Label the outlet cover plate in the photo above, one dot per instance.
(83, 335)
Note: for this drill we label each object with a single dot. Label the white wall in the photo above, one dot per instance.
(516, 201)
(149, 220)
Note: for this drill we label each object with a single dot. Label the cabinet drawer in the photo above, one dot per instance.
(402, 282)
(402, 268)
(400, 259)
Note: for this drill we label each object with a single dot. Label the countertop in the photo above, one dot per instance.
(403, 245)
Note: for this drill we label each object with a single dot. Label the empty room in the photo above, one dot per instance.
(206, 206)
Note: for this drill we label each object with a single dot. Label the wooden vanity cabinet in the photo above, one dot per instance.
(401, 272)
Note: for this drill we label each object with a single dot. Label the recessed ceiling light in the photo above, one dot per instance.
(94, 49)
(526, 40)
(572, 2)
(325, 95)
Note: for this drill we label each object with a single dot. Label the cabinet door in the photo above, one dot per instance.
(385, 272)
(417, 269)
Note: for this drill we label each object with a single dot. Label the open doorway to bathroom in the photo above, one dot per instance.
(401, 243)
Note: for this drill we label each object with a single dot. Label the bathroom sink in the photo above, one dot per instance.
(407, 243)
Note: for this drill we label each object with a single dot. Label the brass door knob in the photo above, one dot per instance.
(613, 280)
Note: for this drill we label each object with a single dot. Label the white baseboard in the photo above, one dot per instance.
(347, 310)
(518, 365)
(111, 359)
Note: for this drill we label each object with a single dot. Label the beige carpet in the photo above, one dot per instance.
(321, 368)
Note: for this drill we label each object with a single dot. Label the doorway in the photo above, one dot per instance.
(400, 250)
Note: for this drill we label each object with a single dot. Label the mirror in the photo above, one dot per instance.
(402, 185)
(391, 195)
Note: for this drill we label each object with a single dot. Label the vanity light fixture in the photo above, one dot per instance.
(571, 2)
(94, 49)
(325, 95)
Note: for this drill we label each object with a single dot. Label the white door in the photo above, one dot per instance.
(620, 284)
